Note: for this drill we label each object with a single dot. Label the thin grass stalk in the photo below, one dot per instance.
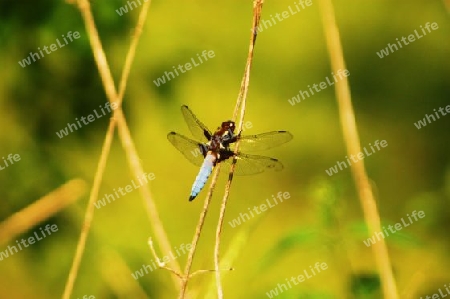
(350, 132)
(41, 209)
(447, 5)
(118, 116)
(161, 265)
(89, 212)
(240, 103)
(198, 231)
(124, 133)
(236, 245)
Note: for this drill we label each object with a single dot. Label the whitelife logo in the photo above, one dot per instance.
(184, 248)
(357, 158)
(124, 9)
(262, 208)
(29, 241)
(108, 198)
(411, 38)
(11, 159)
(53, 48)
(318, 268)
(438, 296)
(188, 66)
(264, 24)
(323, 85)
(90, 118)
(395, 228)
(423, 123)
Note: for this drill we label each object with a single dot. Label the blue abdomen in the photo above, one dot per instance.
(203, 175)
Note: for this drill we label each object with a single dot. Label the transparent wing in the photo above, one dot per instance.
(253, 164)
(193, 151)
(197, 128)
(263, 141)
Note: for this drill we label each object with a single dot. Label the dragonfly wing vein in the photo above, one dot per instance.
(263, 141)
(193, 151)
(197, 128)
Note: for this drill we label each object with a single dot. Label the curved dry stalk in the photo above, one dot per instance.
(240, 103)
(348, 123)
(447, 5)
(41, 209)
(207, 271)
(124, 133)
(162, 265)
(237, 243)
(198, 231)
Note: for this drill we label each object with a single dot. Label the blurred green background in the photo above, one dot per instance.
(321, 222)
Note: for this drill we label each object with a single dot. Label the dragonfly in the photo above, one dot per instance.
(212, 148)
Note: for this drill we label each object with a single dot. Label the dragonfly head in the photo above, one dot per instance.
(224, 135)
(228, 126)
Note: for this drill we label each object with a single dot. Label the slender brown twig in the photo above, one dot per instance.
(162, 265)
(447, 5)
(348, 124)
(119, 119)
(236, 245)
(240, 103)
(198, 231)
(89, 212)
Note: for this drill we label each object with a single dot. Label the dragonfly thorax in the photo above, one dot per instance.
(222, 137)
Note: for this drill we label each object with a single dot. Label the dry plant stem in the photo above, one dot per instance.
(135, 164)
(240, 103)
(257, 7)
(447, 5)
(89, 212)
(236, 246)
(161, 265)
(206, 271)
(351, 137)
(198, 231)
(219, 231)
(118, 117)
(41, 209)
